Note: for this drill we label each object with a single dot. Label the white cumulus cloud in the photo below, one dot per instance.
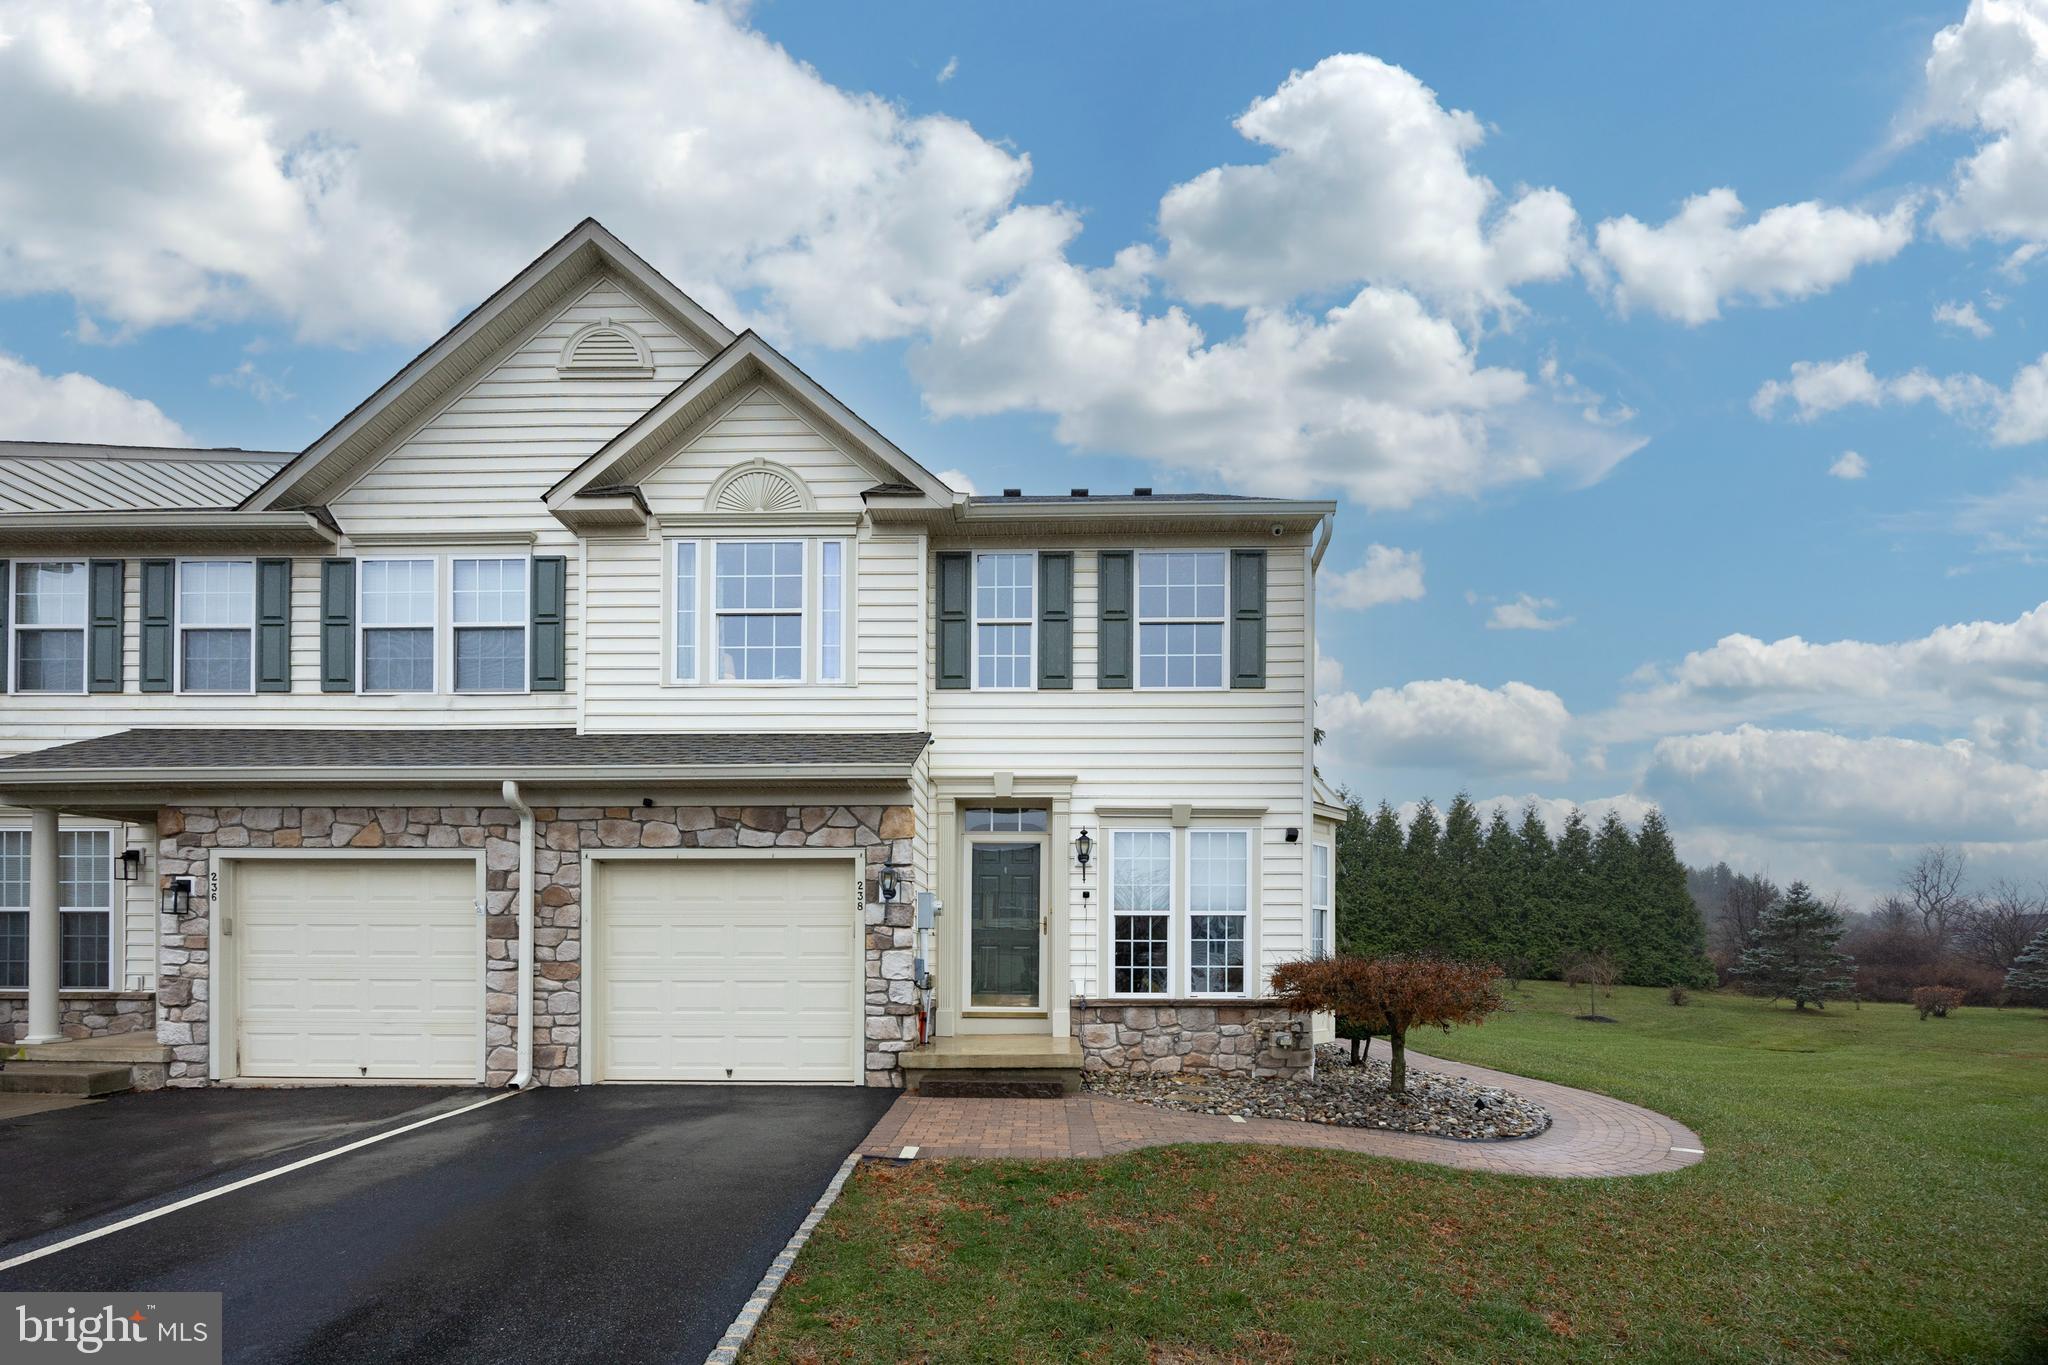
(1988, 74)
(1849, 465)
(1964, 317)
(1387, 575)
(1453, 724)
(2016, 414)
(1704, 256)
(74, 407)
(1526, 612)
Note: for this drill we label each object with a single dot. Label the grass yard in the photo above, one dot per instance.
(1876, 1189)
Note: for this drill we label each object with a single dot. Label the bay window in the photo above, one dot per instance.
(760, 611)
(490, 621)
(397, 615)
(1181, 613)
(216, 625)
(1319, 901)
(1004, 614)
(49, 626)
(1180, 906)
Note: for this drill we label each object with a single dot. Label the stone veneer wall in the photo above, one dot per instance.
(1190, 1035)
(105, 1014)
(561, 834)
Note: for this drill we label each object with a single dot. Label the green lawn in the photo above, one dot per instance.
(1876, 1189)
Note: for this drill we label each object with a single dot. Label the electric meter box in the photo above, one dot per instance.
(928, 907)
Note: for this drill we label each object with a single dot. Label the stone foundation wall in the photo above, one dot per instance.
(1191, 1035)
(561, 835)
(98, 1015)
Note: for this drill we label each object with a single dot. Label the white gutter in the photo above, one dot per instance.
(1323, 542)
(523, 1077)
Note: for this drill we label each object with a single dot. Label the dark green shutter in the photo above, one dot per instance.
(337, 625)
(955, 648)
(550, 668)
(1056, 619)
(273, 625)
(1247, 618)
(1113, 618)
(159, 583)
(103, 642)
(6, 607)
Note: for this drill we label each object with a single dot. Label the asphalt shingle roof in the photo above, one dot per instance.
(511, 750)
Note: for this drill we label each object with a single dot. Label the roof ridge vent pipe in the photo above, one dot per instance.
(523, 1076)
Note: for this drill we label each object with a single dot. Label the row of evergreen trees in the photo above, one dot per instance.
(1482, 889)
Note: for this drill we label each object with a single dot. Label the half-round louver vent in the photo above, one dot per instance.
(758, 487)
(606, 347)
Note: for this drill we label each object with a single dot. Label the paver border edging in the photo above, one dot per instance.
(1590, 1135)
(743, 1326)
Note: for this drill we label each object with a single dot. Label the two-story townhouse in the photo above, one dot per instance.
(595, 701)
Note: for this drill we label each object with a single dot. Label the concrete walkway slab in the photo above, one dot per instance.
(1590, 1135)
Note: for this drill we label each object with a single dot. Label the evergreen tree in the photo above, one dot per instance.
(1676, 929)
(1536, 930)
(1461, 931)
(1614, 915)
(1352, 872)
(1382, 877)
(1502, 888)
(1425, 896)
(1792, 955)
(1573, 893)
(2026, 982)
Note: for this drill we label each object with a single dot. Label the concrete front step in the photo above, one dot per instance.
(994, 1066)
(128, 1048)
(64, 1078)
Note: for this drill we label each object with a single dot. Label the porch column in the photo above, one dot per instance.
(43, 949)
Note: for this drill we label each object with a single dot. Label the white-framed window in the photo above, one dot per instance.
(48, 623)
(489, 619)
(775, 611)
(683, 616)
(13, 909)
(831, 611)
(997, 820)
(396, 608)
(216, 625)
(1005, 620)
(1319, 900)
(1219, 909)
(1141, 911)
(757, 608)
(1182, 606)
(85, 909)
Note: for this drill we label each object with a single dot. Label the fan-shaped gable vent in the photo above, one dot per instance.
(759, 487)
(606, 347)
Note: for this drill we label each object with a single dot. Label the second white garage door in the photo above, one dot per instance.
(359, 969)
(736, 969)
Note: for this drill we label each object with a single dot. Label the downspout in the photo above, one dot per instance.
(523, 1077)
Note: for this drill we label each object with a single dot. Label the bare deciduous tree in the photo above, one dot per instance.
(2005, 918)
(1933, 884)
(1743, 909)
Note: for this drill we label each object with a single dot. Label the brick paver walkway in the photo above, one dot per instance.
(1589, 1134)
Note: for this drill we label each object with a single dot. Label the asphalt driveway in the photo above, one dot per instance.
(617, 1223)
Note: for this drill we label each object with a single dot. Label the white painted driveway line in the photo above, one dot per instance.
(245, 1182)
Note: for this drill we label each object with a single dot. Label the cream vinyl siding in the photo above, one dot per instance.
(758, 424)
(1220, 752)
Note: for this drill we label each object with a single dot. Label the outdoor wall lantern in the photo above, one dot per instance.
(889, 885)
(1084, 849)
(128, 866)
(178, 897)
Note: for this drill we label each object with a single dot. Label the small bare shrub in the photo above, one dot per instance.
(1678, 995)
(1937, 1000)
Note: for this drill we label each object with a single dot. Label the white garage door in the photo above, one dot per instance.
(359, 969)
(739, 970)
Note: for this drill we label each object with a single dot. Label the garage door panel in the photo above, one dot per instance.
(755, 960)
(359, 969)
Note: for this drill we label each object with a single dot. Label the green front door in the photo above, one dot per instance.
(1003, 927)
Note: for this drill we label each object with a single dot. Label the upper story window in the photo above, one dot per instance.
(398, 624)
(759, 611)
(216, 625)
(1319, 901)
(490, 620)
(1004, 612)
(49, 626)
(1181, 611)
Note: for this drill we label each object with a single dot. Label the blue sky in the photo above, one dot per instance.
(1035, 245)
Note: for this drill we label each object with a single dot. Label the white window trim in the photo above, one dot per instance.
(1326, 906)
(1139, 621)
(1173, 901)
(433, 625)
(114, 897)
(811, 613)
(178, 627)
(1030, 623)
(15, 630)
(22, 909)
(447, 609)
(1184, 921)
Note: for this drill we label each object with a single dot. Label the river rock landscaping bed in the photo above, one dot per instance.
(1341, 1094)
